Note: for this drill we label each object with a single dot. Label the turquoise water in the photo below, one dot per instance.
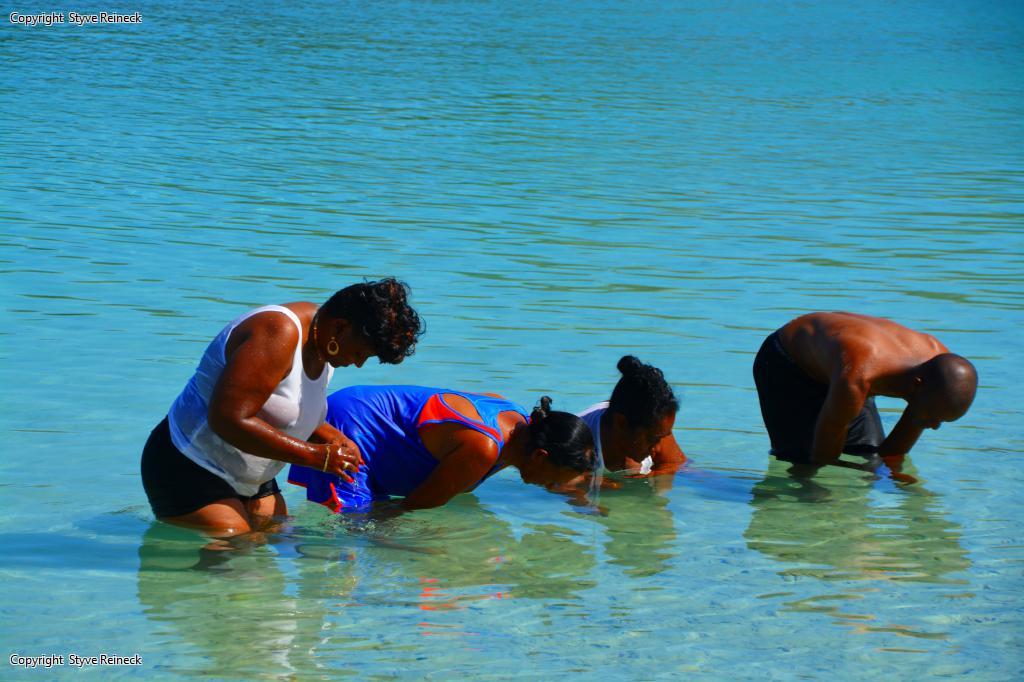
(560, 184)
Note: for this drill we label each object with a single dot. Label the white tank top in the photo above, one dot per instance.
(592, 416)
(297, 407)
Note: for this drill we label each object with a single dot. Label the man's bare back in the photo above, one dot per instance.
(869, 349)
(831, 366)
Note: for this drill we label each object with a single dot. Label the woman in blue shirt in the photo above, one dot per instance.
(427, 445)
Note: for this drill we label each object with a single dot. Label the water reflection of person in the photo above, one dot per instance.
(257, 613)
(843, 533)
(459, 554)
(233, 607)
(640, 528)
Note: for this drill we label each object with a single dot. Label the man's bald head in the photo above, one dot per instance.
(948, 382)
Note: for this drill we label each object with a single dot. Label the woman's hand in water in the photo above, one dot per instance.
(340, 461)
(348, 449)
(343, 456)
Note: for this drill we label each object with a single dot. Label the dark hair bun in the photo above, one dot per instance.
(629, 365)
(642, 394)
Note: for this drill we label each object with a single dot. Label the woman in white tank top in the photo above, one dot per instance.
(633, 430)
(257, 401)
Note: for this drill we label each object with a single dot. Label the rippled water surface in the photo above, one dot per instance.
(560, 183)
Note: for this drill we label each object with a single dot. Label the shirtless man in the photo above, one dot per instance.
(817, 377)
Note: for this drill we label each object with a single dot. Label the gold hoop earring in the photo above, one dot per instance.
(333, 347)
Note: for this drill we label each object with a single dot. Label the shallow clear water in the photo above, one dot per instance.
(560, 184)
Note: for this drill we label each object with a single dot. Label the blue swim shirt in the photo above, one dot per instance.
(384, 422)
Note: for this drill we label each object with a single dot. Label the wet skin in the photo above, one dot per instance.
(859, 356)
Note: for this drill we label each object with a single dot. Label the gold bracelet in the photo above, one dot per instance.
(327, 458)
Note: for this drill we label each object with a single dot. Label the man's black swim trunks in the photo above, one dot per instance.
(791, 401)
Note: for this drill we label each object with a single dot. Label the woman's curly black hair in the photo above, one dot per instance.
(642, 395)
(565, 437)
(380, 310)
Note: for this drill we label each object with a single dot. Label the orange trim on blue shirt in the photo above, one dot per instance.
(437, 411)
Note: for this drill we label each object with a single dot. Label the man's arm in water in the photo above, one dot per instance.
(897, 444)
(902, 437)
(845, 400)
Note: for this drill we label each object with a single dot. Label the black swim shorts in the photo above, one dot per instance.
(175, 485)
(791, 401)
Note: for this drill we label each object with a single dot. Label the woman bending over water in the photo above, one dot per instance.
(257, 401)
(633, 430)
(427, 445)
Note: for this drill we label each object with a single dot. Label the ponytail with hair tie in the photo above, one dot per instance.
(542, 409)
